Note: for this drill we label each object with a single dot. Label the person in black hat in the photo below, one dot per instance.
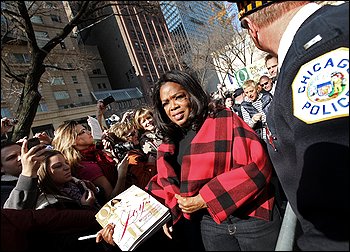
(308, 118)
(238, 95)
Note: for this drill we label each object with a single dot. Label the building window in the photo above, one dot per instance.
(99, 85)
(143, 45)
(5, 112)
(62, 44)
(41, 38)
(75, 79)
(56, 18)
(37, 20)
(133, 34)
(144, 66)
(104, 85)
(69, 65)
(22, 58)
(61, 95)
(57, 81)
(79, 93)
(96, 71)
(42, 107)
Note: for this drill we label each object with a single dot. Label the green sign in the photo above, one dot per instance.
(241, 76)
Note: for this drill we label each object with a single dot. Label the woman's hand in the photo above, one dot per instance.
(100, 108)
(31, 159)
(87, 184)
(106, 234)
(43, 137)
(88, 198)
(123, 166)
(190, 204)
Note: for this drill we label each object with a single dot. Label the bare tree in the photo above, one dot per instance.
(231, 46)
(17, 27)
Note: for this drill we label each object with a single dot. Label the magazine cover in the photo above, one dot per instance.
(136, 215)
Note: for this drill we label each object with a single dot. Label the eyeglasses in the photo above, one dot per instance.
(82, 132)
(264, 84)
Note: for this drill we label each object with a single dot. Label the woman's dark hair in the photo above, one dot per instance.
(199, 100)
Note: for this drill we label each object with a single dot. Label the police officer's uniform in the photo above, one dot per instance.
(309, 124)
(310, 127)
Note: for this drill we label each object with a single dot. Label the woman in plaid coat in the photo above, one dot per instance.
(213, 172)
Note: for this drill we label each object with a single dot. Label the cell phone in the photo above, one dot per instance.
(32, 142)
(108, 100)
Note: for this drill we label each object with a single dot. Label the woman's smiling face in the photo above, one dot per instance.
(176, 102)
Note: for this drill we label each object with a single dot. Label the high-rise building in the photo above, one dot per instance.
(190, 22)
(132, 45)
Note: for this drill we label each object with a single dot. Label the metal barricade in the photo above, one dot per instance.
(286, 237)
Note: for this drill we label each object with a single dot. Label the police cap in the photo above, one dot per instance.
(247, 7)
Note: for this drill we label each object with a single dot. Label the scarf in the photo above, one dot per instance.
(105, 162)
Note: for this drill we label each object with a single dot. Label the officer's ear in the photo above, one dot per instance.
(253, 29)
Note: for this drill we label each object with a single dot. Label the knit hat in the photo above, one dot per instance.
(238, 92)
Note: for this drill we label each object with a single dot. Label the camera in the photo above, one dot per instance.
(33, 142)
(121, 149)
(108, 100)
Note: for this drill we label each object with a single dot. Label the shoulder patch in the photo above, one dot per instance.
(321, 88)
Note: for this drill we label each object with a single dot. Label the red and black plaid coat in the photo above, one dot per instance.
(227, 165)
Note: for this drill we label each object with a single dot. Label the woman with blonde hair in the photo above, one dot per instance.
(255, 107)
(150, 138)
(98, 166)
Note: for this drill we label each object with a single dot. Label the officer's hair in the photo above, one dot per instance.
(272, 12)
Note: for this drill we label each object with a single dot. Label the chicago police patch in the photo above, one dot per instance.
(321, 88)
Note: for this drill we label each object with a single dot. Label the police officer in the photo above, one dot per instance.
(309, 115)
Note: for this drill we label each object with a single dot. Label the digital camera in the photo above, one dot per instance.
(122, 148)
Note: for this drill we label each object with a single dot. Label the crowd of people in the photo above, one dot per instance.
(224, 164)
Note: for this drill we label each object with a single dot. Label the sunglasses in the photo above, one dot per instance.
(263, 84)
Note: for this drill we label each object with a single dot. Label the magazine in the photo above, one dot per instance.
(136, 215)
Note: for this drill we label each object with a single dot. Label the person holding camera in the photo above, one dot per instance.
(88, 162)
(126, 141)
(101, 108)
(46, 183)
(6, 125)
(19, 166)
